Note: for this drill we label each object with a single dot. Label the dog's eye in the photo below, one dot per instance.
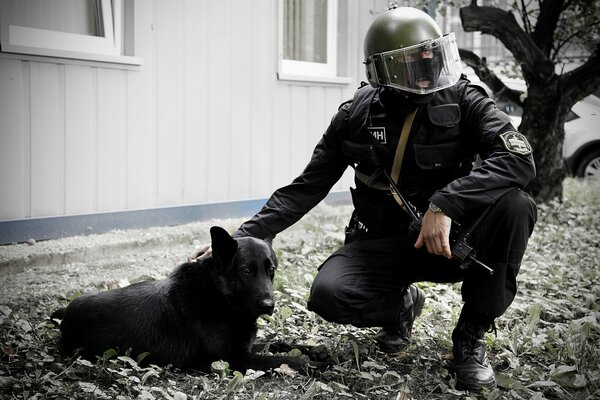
(246, 271)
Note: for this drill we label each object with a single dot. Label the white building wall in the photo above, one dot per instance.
(204, 120)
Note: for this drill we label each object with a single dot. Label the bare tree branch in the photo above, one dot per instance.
(489, 77)
(559, 44)
(525, 17)
(543, 33)
(583, 81)
(503, 25)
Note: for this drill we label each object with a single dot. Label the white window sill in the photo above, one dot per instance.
(335, 80)
(69, 57)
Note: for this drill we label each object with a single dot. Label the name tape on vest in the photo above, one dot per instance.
(378, 133)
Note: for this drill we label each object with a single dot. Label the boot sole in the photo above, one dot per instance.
(389, 349)
(475, 388)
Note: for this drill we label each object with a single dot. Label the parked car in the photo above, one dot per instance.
(581, 148)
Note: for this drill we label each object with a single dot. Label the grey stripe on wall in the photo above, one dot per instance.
(18, 231)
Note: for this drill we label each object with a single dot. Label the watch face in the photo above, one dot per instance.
(434, 208)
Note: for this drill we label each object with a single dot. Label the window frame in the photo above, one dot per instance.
(294, 70)
(50, 43)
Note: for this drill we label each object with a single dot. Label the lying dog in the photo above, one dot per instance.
(204, 311)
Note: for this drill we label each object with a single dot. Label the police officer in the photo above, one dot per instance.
(416, 87)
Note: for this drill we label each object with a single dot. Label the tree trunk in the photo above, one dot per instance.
(542, 120)
(543, 124)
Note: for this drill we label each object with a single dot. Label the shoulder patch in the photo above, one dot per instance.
(515, 143)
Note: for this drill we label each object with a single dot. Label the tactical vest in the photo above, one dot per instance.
(437, 153)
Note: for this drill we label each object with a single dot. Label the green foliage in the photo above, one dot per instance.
(547, 345)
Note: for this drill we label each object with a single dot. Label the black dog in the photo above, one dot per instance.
(203, 312)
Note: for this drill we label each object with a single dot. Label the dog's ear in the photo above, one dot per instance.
(223, 245)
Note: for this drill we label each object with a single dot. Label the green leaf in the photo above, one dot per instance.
(108, 354)
(533, 317)
(356, 354)
(149, 374)
(391, 378)
(507, 382)
(84, 362)
(285, 312)
(128, 360)
(563, 370)
(366, 375)
(235, 382)
(141, 357)
(543, 384)
(314, 389)
(220, 367)
(252, 375)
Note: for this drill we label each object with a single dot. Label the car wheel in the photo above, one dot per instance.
(589, 166)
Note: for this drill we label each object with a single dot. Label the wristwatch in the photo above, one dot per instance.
(434, 208)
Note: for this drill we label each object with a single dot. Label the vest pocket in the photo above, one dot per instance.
(431, 157)
(445, 115)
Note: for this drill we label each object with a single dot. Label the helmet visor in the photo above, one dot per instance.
(423, 68)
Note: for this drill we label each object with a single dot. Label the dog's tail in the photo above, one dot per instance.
(57, 316)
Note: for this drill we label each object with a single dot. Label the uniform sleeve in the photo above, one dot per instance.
(290, 203)
(507, 160)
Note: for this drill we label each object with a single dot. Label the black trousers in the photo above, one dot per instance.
(364, 283)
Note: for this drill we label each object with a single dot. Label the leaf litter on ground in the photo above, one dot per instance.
(546, 347)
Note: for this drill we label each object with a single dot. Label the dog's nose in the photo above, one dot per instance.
(267, 305)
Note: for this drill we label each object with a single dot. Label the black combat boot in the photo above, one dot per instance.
(394, 339)
(473, 371)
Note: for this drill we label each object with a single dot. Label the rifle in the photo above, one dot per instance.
(459, 247)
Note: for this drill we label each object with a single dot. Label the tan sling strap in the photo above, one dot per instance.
(402, 141)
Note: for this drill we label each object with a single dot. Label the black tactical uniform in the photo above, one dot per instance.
(451, 128)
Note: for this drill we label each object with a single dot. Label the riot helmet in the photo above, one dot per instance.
(405, 50)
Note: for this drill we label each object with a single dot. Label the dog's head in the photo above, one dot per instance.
(246, 268)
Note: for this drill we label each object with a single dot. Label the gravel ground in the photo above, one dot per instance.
(61, 267)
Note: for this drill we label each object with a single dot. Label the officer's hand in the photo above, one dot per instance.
(435, 234)
(204, 251)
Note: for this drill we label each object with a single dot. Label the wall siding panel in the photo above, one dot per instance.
(219, 91)
(240, 49)
(14, 177)
(281, 149)
(112, 141)
(142, 113)
(80, 139)
(195, 37)
(47, 140)
(299, 114)
(262, 99)
(170, 79)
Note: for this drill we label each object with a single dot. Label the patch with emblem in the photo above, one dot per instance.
(516, 143)
(378, 133)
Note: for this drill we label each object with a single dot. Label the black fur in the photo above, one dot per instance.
(204, 311)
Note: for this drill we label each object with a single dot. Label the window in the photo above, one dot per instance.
(308, 40)
(79, 29)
